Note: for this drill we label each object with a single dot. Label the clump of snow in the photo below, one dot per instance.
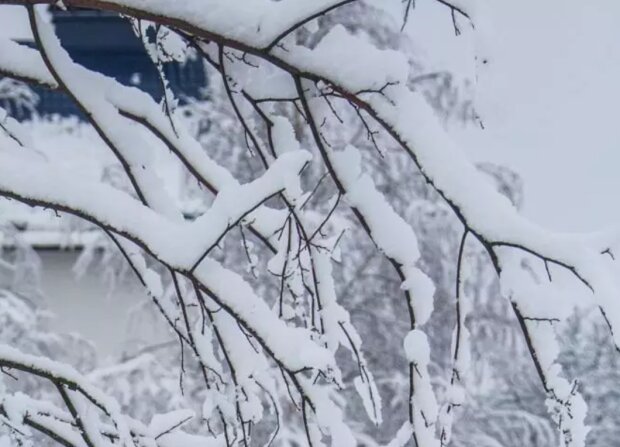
(417, 349)
(361, 66)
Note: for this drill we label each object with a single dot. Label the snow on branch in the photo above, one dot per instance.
(250, 345)
(73, 387)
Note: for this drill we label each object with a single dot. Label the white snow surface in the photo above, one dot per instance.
(351, 64)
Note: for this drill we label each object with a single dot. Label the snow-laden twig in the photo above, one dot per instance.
(341, 68)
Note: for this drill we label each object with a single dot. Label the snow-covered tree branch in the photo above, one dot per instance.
(262, 352)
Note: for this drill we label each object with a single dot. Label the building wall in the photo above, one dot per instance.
(88, 307)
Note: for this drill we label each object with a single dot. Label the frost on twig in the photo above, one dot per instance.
(261, 350)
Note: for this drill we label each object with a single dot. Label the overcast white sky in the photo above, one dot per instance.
(548, 97)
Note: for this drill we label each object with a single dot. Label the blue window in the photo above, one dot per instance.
(106, 43)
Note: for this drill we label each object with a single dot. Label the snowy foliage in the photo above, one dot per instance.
(343, 147)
